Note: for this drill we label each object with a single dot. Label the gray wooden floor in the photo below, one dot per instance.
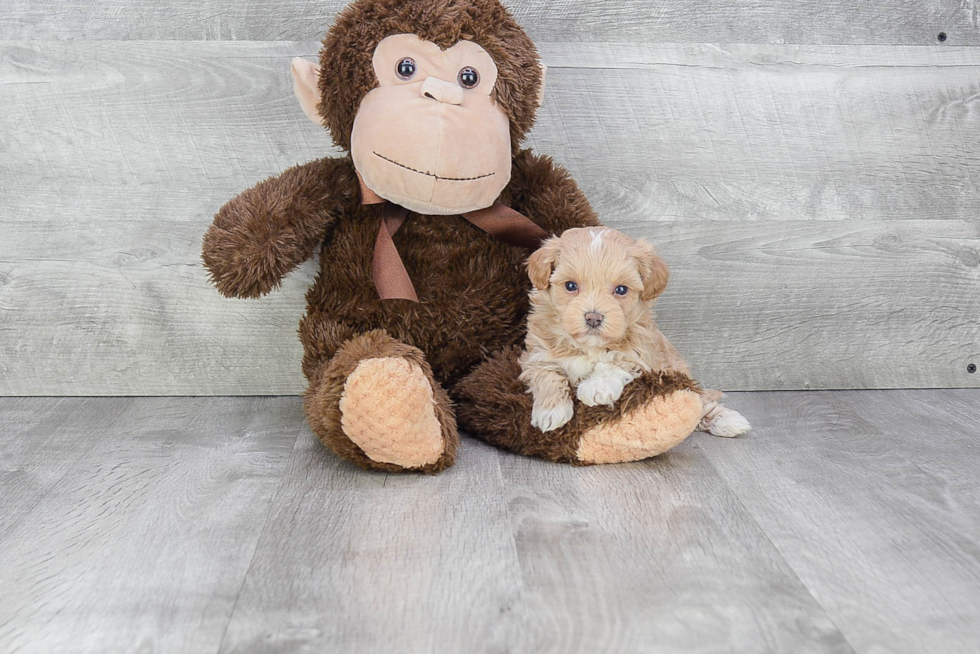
(846, 522)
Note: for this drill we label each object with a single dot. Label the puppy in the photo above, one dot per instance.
(591, 327)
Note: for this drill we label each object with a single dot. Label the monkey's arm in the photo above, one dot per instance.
(268, 230)
(546, 193)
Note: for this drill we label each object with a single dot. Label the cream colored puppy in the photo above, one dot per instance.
(591, 327)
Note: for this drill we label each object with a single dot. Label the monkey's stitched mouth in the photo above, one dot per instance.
(438, 177)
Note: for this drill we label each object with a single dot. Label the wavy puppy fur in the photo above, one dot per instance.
(591, 327)
(591, 330)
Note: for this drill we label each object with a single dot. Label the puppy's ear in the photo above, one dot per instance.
(653, 270)
(542, 263)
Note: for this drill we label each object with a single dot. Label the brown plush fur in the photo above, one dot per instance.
(494, 405)
(473, 289)
(268, 230)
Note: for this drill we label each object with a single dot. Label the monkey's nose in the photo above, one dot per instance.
(593, 319)
(437, 89)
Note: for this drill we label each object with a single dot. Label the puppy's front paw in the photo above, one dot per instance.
(599, 390)
(547, 418)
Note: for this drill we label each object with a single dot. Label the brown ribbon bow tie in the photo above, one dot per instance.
(390, 277)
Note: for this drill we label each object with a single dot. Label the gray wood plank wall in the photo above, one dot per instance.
(658, 21)
(808, 169)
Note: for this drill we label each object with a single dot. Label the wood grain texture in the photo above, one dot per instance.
(31, 428)
(169, 131)
(809, 305)
(370, 562)
(780, 133)
(872, 498)
(845, 522)
(143, 542)
(162, 132)
(655, 556)
(126, 309)
(817, 204)
(774, 21)
(541, 558)
(772, 305)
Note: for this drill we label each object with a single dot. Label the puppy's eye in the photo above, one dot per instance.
(571, 287)
(621, 291)
(406, 68)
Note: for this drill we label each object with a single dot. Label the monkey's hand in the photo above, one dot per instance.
(268, 230)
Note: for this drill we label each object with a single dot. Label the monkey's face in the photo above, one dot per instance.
(431, 137)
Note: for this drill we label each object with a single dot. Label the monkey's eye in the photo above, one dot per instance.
(468, 77)
(571, 287)
(621, 291)
(406, 68)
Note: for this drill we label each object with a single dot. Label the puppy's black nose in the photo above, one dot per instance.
(593, 319)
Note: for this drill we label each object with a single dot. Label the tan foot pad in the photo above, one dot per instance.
(648, 431)
(387, 409)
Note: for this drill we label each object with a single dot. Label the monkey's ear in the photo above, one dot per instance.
(306, 80)
(541, 264)
(653, 270)
(544, 73)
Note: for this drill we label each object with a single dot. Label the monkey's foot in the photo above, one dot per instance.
(655, 412)
(377, 405)
(387, 409)
(659, 424)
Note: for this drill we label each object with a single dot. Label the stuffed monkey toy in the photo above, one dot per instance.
(422, 231)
